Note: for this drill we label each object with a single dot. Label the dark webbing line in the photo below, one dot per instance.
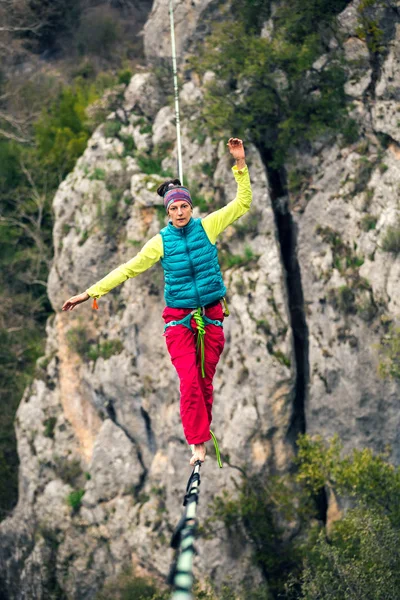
(181, 573)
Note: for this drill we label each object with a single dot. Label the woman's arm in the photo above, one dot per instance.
(151, 253)
(218, 221)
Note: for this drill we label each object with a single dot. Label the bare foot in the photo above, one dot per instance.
(199, 453)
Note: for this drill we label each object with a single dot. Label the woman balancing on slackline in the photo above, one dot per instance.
(193, 292)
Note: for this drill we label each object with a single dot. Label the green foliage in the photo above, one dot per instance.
(227, 260)
(343, 299)
(344, 256)
(49, 425)
(128, 587)
(298, 179)
(361, 560)
(74, 500)
(389, 353)
(146, 128)
(266, 85)
(356, 296)
(368, 28)
(129, 144)
(364, 171)
(79, 341)
(282, 358)
(391, 239)
(105, 349)
(98, 174)
(124, 76)
(29, 176)
(260, 511)
(366, 477)
(62, 133)
(149, 164)
(368, 222)
(111, 128)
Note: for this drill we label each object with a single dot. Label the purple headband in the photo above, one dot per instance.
(177, 193)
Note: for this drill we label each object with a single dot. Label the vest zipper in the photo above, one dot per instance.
(191, 268)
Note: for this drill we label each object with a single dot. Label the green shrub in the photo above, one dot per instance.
(105, 349)
(228, 260)
(109, 216)
(265, 84)
(74, 499)
(391, 239)
(78, 340)
(282, 358)
(389, 352)
(98, 174)
(125, 76)
(149, 164)
(49, 425)
(368, 26)
(259, 511)
(62, 132)
(368, 222)
(129, 144)
(361, 560)
(130, 587)
(343, 298)
(146, 128)
(111, 128)
(344, 256)
(298, 179)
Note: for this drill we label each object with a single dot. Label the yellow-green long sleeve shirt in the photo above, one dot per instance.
(214, 224)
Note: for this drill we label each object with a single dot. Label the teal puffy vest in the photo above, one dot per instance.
(191, 271)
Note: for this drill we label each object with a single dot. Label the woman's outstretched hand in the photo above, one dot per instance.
(75, 300)
(236, 148)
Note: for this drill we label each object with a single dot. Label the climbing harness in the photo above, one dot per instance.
(201, 322)
(181, 573)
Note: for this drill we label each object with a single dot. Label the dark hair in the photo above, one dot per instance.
(163, 187)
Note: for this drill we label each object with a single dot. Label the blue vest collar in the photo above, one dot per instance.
(179, 230)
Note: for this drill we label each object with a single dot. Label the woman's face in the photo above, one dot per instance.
(180, 213)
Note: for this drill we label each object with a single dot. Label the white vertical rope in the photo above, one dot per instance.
(176, 91)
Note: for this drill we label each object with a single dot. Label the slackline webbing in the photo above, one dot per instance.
(181, 573)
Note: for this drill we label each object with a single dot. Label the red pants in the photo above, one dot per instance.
(196, 391)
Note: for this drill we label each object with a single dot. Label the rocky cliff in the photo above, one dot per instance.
(312, 293)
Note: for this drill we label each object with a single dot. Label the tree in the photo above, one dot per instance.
(269, 85)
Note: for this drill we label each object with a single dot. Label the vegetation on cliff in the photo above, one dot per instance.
(302, 556)
(73, 53)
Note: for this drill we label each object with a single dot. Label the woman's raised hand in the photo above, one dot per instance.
(236, 148)
(75, 300)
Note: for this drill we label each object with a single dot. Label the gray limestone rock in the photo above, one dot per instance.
(188, 15)
(103, 458)
(143, 95)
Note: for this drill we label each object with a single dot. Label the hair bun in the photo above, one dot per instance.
(166, 185)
